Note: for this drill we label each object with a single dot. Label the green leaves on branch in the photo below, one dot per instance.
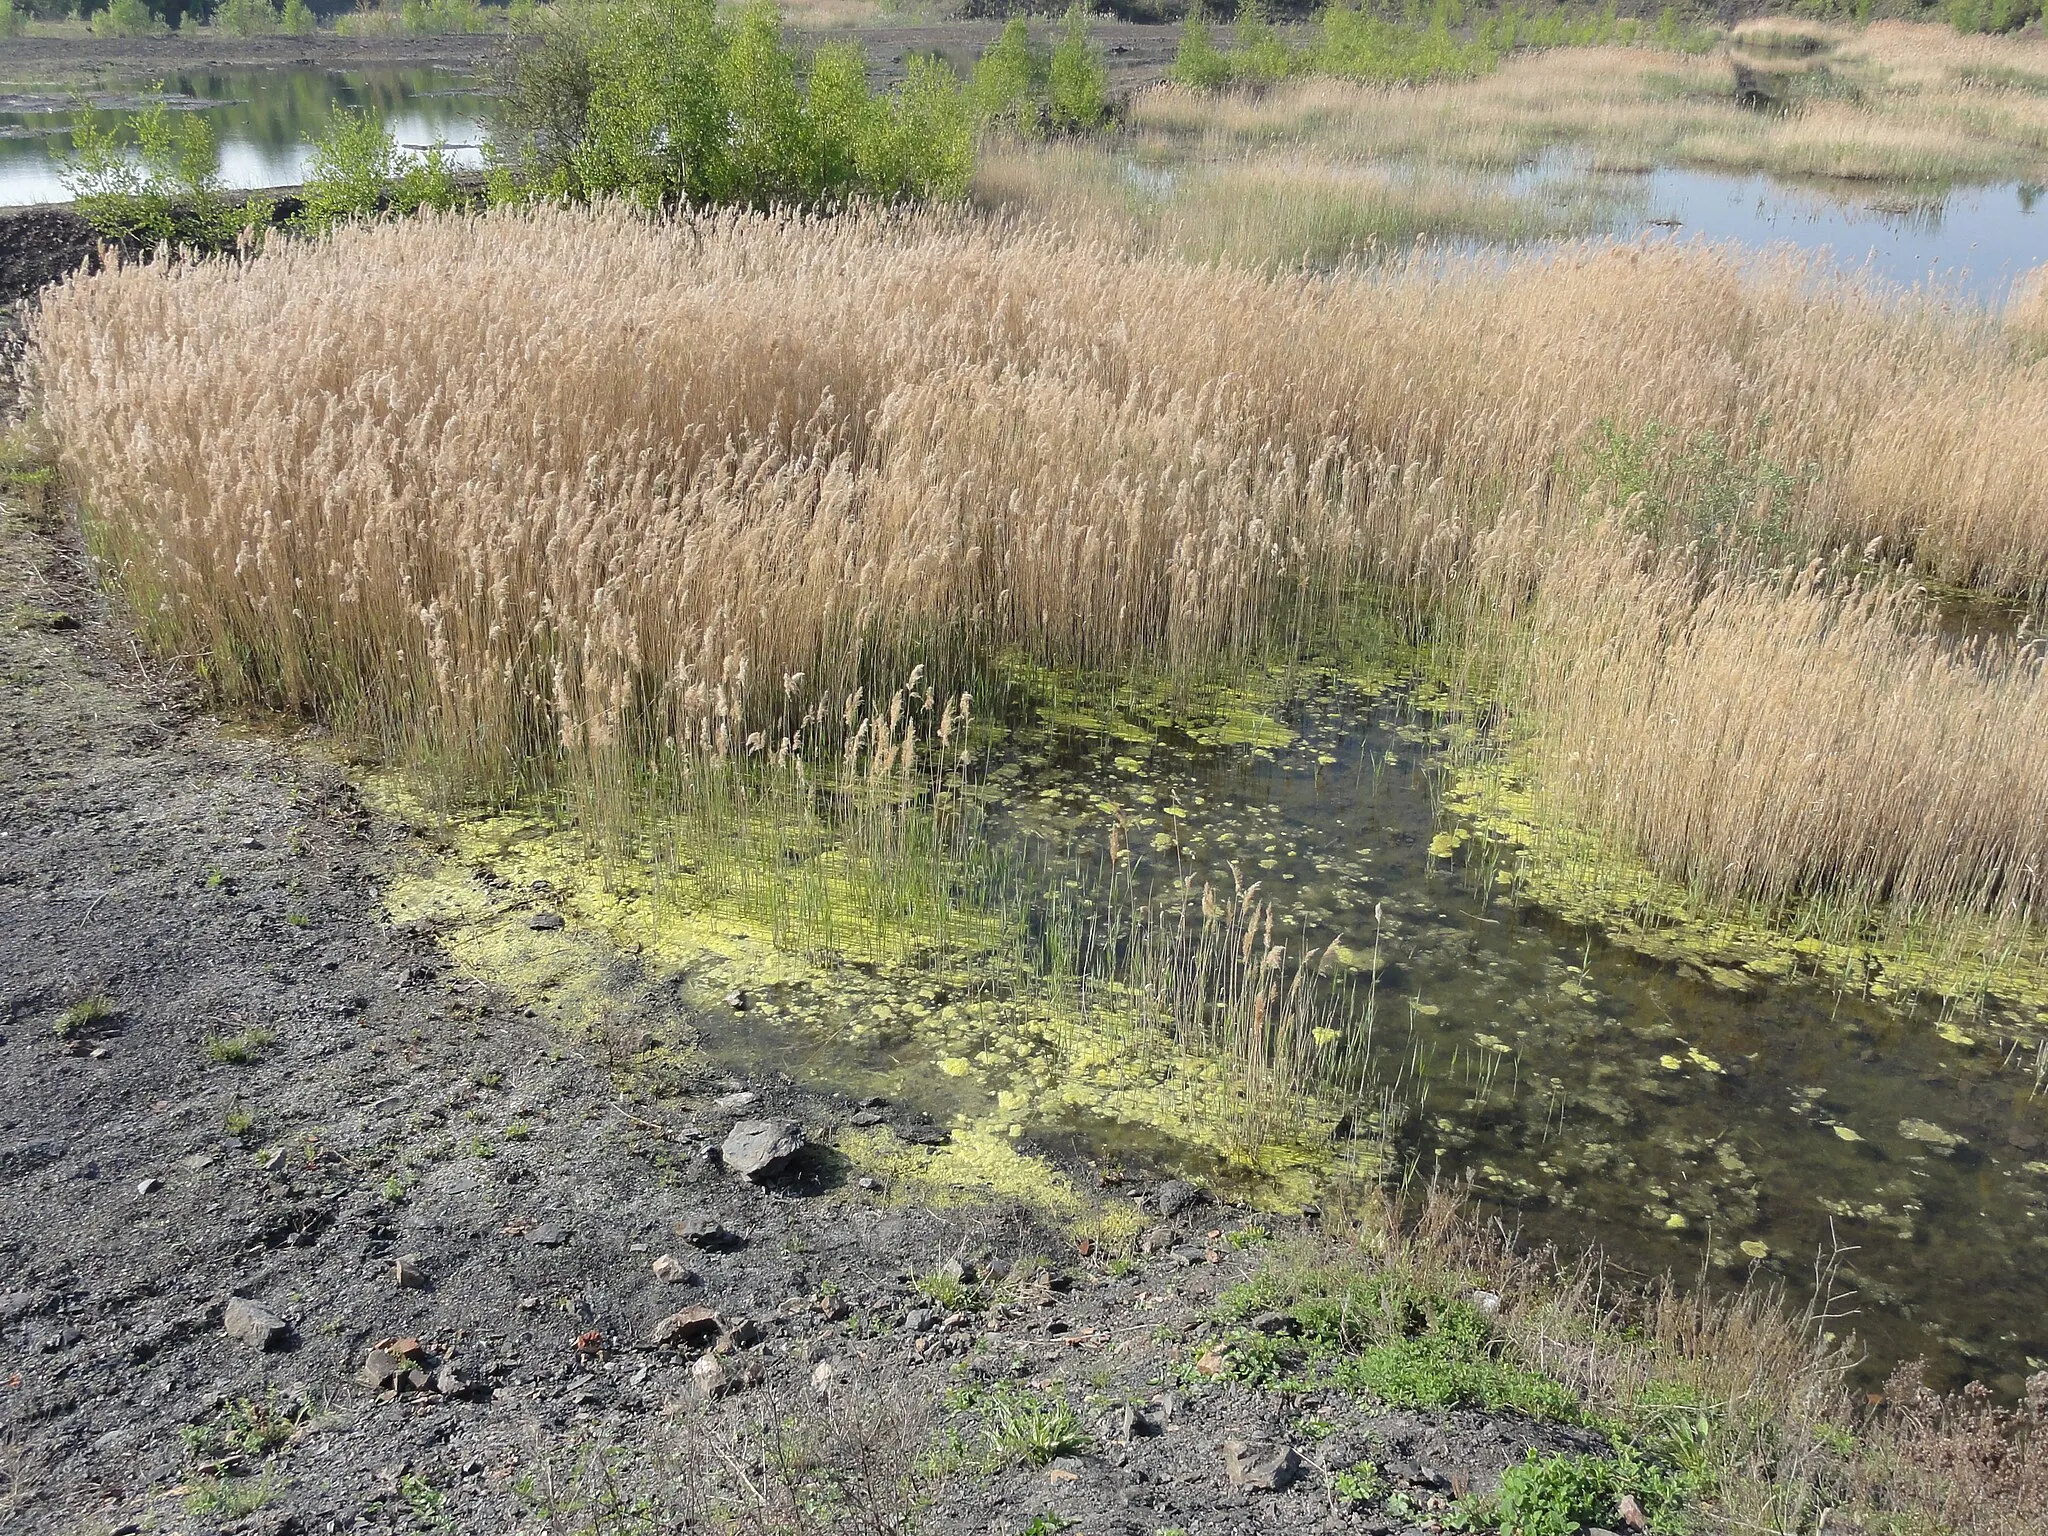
(1019, 87)
(666, 100)
(155, 179)
(1358, 42)
(359, 172)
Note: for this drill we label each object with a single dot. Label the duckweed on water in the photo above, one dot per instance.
(1015, 1054)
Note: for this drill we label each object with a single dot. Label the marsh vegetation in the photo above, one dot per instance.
(979, 633)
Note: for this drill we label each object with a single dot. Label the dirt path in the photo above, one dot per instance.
(1138, 53)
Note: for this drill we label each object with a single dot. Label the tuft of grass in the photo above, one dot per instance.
(1020, 1424)
(231, 1498)
(79, 1018)
(238, 1049)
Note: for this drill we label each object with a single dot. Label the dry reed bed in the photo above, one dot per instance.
(557, 489)
(1923, 104)
(1772, 740)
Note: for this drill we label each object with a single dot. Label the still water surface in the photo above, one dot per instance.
(264, 121)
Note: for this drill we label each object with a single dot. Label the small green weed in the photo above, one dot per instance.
(245, 1429)
(429, 1505)
(1560, 1495)
(1022, 1425)
(81, 1016)
(236, 1050)
(225, 1499)
(1360, 1484)
(240, 1124)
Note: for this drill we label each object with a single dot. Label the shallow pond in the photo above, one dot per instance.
(1683, 1125)
(264, 122)
(1970, 240)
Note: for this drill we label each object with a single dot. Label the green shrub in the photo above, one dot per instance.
(167, 190)
(666, 101)
(298, 19)
(1198, 63)
(1259, 55)
(1357, 45)
(1008, 81)
(126, 18)
(1078, 78)
(13, 20)
(246, 18)
(359, 172)
(351, 172)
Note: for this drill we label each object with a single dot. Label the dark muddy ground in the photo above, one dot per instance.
(227, 1078)
(1138, 53)
(86, 62)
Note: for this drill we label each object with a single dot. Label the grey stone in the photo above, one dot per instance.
(709, 1377)
(917, 1320)
(736, 1103)
(958, 1270)
(407, 1273)
(547, 1236)
(544, 922)
(381, 1368)
(867, 1117)
(700, 1229)
(690, 1328)
(1263, 1464)
(253, 1323)
(668, 1267)
(757, 1148)
(1175, 1196)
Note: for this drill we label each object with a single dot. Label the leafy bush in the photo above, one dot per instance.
(246, 18)
(13, 21)
(359, 172)
(666, 100)
(126, 18)
(298, 19)
(1198, 63)
(168, 189)
(1561, 1495)
(1357, 45)
(1078, 78)
(1008, 81)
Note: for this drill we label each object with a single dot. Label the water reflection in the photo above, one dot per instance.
(1684, 1122)
(263, 121)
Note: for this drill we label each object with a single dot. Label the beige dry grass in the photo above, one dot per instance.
(563, 491)
(2026, 310)
(1895, 102)
(1769, 740)
(1263, 208)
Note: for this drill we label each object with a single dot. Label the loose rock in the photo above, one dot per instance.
(1262, 1464)
(253, 1323)
(691, 1328)
(1175, 1196)
(756, 1149)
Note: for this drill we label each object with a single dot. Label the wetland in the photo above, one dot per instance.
(1313, 642)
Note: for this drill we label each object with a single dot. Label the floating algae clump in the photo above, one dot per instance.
(1010, 1048)
(1592, 881)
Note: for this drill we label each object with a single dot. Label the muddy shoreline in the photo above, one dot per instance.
(238, 1094)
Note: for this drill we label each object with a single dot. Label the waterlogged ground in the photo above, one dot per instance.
(1681, 1112)
(264, 122)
